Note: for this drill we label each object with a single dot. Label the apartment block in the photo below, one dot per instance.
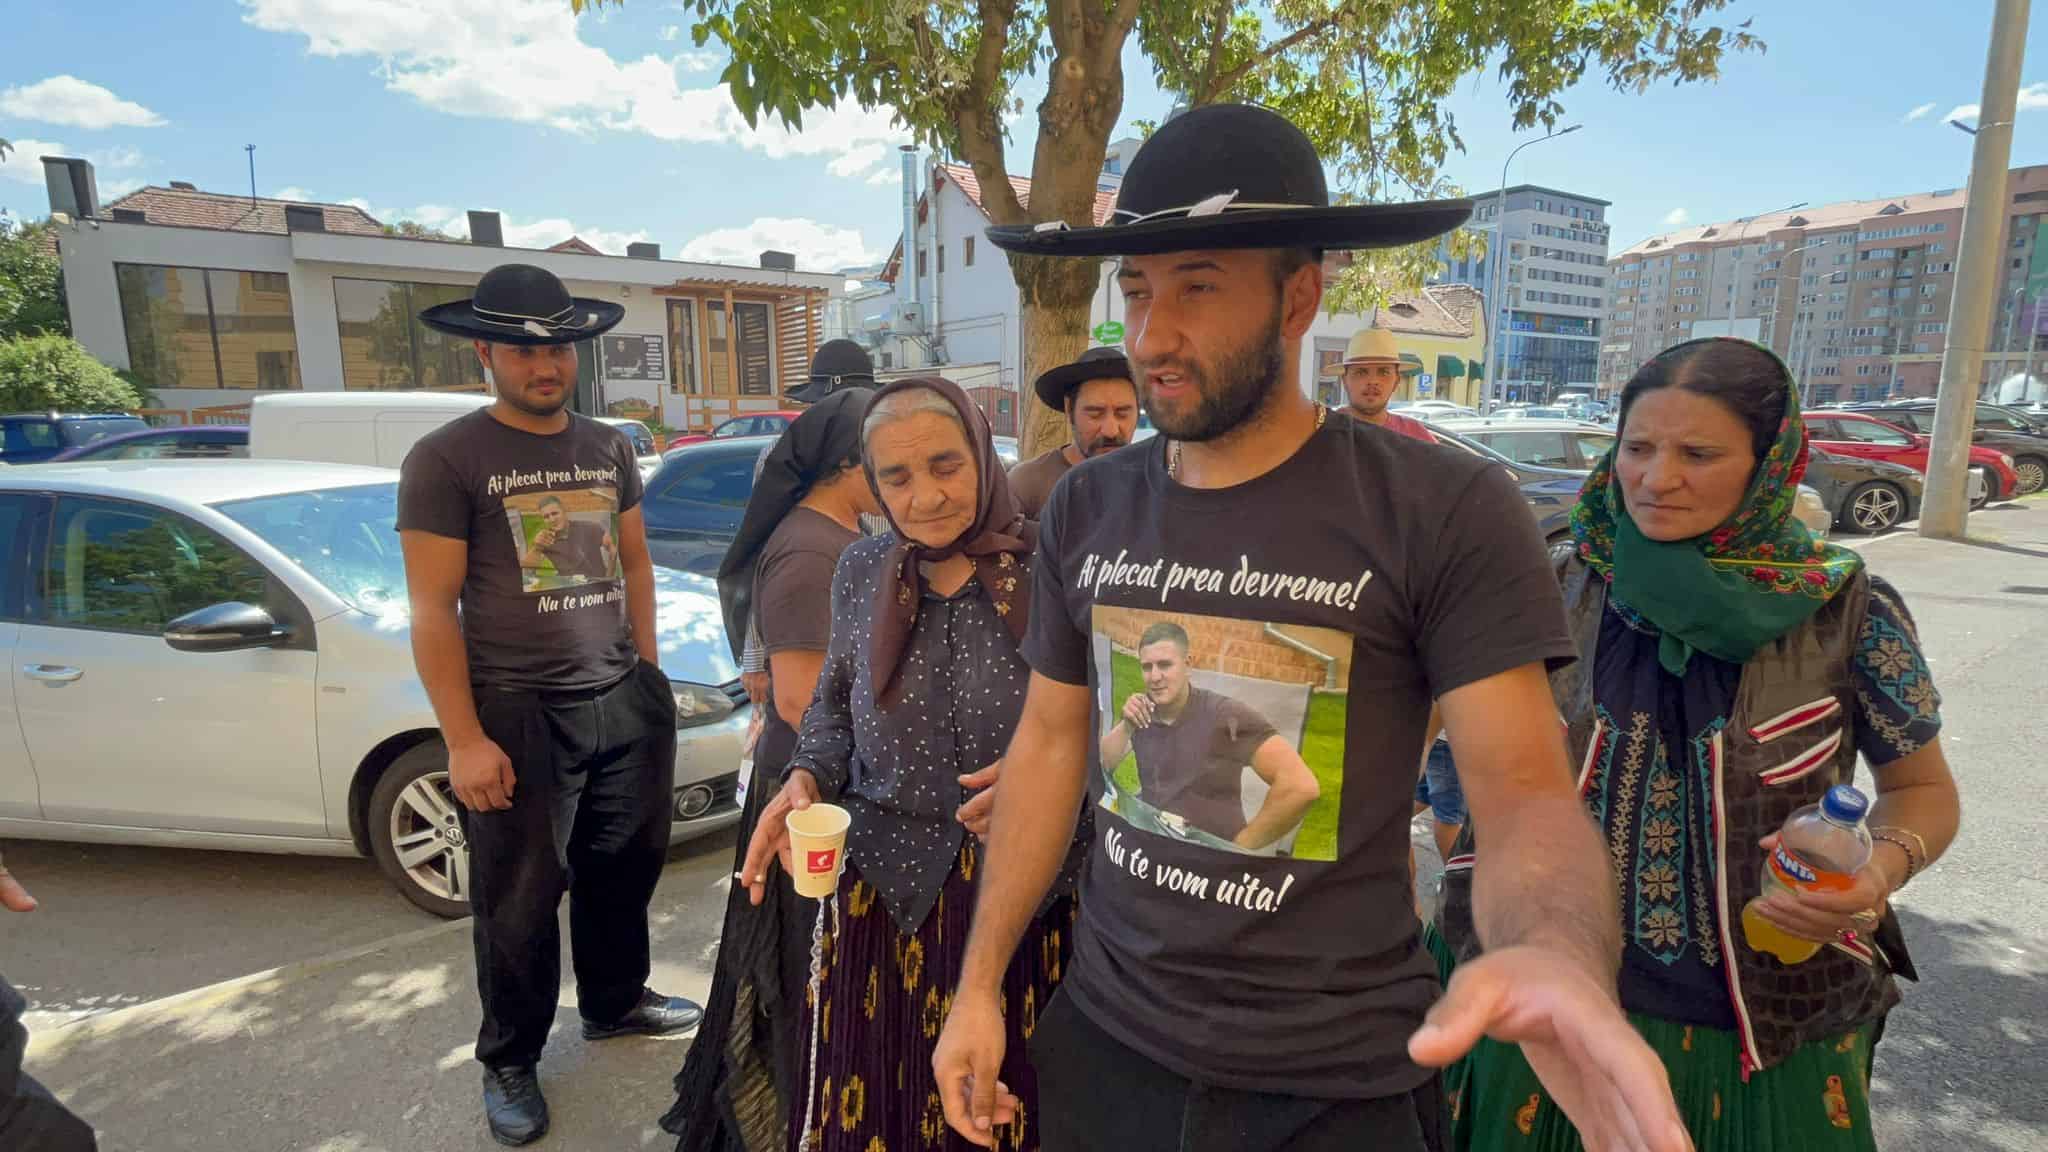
(1553, 291)
(1854, 295)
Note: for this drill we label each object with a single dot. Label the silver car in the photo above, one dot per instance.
(216, 654)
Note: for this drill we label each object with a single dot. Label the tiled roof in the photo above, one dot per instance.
(575, 244)
(961, 174)
(1438, 310)
(1812, 218)
(188, 209)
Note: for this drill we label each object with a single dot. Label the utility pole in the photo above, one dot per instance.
(1946, 506)
(1496, 275)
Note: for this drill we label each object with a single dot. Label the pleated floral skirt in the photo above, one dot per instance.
(1816, 1100)
(884, 995)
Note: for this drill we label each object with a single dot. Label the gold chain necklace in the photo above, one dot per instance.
(1173, 446)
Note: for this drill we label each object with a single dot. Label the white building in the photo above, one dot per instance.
(210, 298)
(1547, 320)
(953, 304)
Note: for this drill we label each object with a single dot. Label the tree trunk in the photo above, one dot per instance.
(1055, 295)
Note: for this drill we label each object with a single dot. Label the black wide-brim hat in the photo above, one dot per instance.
(1055, 385)
(523, 304)
(1232, 176)
(837, 364)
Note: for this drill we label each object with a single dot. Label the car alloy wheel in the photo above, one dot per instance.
(2033, 473)
(1990, 485)
(416, 831)
(1875, 507)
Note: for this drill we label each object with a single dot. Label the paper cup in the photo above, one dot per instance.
(817, 848)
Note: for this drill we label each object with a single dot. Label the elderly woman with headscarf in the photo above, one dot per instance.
(920, 692)
(775, 585)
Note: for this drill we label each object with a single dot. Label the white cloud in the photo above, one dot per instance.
(669, 33)
(117, 158)
(524, 60)
(294, 193)
(24, 162)
(1962, 112)
(71, 101)
(2030, 98)
(1920, 113)
(817, 246)
(1677, 218)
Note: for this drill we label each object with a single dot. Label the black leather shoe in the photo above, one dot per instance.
(513, 1106)
(655, 1015)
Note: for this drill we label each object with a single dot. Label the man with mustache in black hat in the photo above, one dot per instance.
(1101, 404)
(533, 629)
(1219, 1001)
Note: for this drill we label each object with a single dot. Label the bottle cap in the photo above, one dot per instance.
(1844, 805)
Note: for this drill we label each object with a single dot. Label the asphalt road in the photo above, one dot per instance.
(233, 1003)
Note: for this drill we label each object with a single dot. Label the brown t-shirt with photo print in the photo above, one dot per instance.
(544, 599)
(1194, 766)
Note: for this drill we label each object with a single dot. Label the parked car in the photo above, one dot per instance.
(217, 654)
(368, 428)
(1545, 443)
(1550, 492)
(1867, 496)
(1862, 435)
(31, 438)
(694, 501)
(643, 442)
(1997, 428)
(187, 442)
(757, 424)
(1432, 409)
(1006, 450)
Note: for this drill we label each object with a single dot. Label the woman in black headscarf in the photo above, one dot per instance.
(919, 696)
(732, 1092)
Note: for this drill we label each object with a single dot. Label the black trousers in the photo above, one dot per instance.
(1096, 1095)
(590, 815)
(31, 1118)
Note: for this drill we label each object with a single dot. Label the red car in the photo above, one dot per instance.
(753, 424)
(1866, 437)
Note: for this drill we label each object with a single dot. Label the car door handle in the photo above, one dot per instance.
(51, 673)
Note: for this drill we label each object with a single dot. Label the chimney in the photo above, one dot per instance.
(184, 186)
(304, 218)
(778, 261)
(485, 229)
(643, 251)
(906, 272)
(73, 191)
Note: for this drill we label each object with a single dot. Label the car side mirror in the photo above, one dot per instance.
(224, 628)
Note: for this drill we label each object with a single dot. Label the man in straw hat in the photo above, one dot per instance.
(1223, 1001)
(1371, 373)
(533, 628)
(1101, 403)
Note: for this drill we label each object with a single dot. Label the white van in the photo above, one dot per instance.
(372, 428)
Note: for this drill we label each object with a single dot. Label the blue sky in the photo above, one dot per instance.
(613, 126)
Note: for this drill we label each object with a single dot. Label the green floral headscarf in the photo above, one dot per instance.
(1733, 590)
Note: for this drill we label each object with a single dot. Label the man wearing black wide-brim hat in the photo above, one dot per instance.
(533, 630)
(1221, 997)
(1101, 403)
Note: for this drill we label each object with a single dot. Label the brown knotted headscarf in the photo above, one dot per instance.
(998, 541)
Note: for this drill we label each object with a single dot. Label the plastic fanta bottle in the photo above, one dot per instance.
(1821, 848)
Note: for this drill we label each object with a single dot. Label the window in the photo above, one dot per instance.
(725, 479)
(942, 258)
(1592, 446)
(967, 252)
(122, 567)
(682, 348)
(1923, 348)
(384, 346)
(1936, 269)
(1870, 431)
(208, 328)
(15, 514)
(1861, 370)
(1933, 329)
(921, 272)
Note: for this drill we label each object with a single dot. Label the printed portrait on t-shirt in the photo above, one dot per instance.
(565, 539)
(1221, 732)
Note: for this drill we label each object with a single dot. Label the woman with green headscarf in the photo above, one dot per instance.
(1731, 669)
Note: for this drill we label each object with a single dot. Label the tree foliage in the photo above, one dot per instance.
(54, 373)
(31, 282)
(1367, 79)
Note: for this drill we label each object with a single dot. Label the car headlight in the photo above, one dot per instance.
(2005, 460)
(697, 705)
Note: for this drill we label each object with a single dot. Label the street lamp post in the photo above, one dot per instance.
(1495, 276)
(1735, 271)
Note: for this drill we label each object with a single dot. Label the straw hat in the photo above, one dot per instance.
(1375, 346)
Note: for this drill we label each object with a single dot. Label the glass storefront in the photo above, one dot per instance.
(209, 327)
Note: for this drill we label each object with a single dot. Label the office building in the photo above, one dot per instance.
(1547, 321)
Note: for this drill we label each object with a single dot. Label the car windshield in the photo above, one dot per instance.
(77, 432)
(1546, 413)
(346, 538)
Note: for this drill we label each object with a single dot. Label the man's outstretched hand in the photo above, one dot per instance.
(13, 896)
(1605, 1078)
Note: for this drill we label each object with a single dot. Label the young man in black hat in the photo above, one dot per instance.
(1101, 404)
(1219, 1001)
(533, 629)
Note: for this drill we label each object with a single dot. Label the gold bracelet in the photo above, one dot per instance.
(1916, 852)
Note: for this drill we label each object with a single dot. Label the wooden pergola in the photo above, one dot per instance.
(795, 315)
